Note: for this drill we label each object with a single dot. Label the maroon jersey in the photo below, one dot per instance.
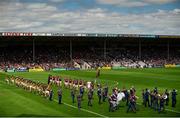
(80, 82)
(70, 81)
(66, 80)
(85, 83)
(76, 82)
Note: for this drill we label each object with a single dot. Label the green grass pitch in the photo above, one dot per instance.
(15, 101)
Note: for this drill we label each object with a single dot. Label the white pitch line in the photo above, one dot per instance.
(83, 109)
(172, 110)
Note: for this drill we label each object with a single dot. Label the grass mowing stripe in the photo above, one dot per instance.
(83, 109)
(166, 109)
(172, 111)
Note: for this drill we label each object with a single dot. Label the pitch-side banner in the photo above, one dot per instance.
(168, 36)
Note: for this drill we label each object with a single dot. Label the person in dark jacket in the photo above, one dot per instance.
(89, 98)
(174, 93)
(79, 99)
(59, 95)
(146, 97)
(73, 95)
(99, 93)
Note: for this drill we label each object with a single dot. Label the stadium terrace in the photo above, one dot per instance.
(108, 51)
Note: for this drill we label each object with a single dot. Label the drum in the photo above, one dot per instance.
(165, 97)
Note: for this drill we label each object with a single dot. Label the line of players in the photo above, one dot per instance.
(29, 85)
(156, 100)
(70, 83)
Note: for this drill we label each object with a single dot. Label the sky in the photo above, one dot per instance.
(157, 17)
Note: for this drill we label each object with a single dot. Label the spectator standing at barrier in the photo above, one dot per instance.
(59, 95)
(174, 93)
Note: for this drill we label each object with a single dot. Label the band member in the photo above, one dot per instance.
(73, 94)
(99, 93)
(89, 98)
(174, 98)
(103, 95)
(146, 96)
(81, 90)
(132, 90)
(106, 91)
(155, 90)
(132, 103)
(126, 92)
(59, 95)
(79, 99)
(167, 99)
(110, 103)
(152, 99)
(85, 85)
(161, 104)
(156, 97)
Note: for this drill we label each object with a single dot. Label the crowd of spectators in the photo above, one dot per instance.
(51, 57)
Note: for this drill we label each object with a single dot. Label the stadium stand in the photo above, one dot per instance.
(88, 52)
